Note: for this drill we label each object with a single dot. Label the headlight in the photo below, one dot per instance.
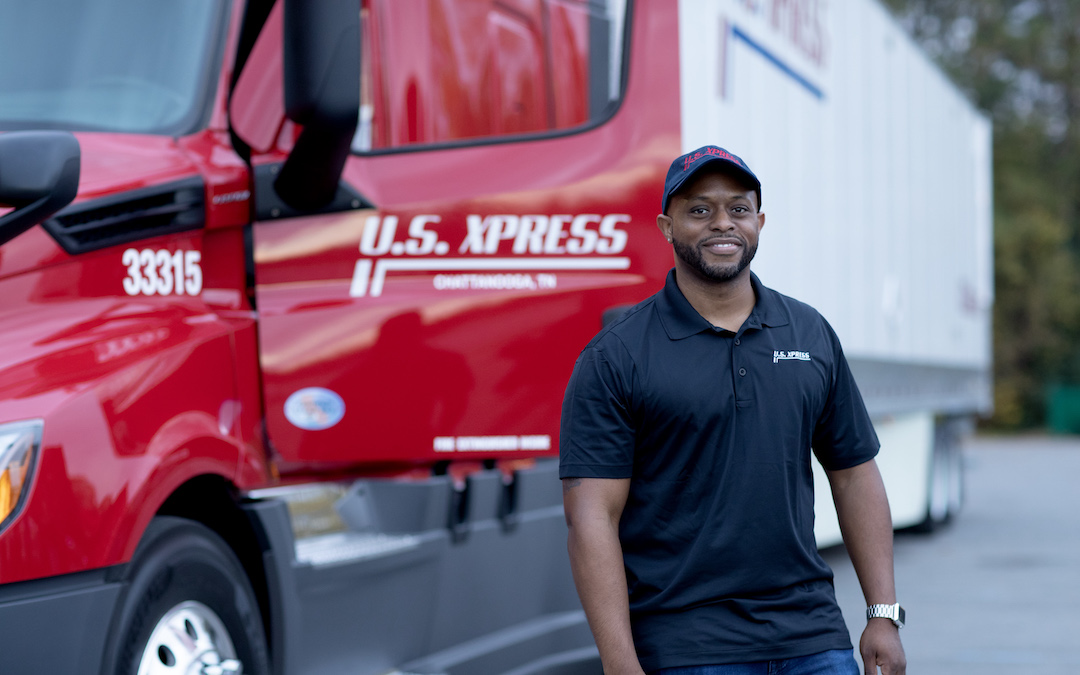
(19, 446)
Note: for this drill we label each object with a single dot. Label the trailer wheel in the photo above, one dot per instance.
(945, 493)
(187, 608)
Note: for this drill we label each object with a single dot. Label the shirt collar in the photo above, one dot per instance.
(680, 319)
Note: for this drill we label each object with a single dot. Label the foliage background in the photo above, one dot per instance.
(1020, 62)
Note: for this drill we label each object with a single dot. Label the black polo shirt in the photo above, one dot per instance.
(715, 430)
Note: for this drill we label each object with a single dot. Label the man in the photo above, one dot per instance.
(685, 450)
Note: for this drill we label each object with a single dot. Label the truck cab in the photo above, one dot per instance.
(286, 345)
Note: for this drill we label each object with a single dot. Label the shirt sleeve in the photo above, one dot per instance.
(596, 433)
(844, 436)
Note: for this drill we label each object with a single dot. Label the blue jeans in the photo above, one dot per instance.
(834, 662)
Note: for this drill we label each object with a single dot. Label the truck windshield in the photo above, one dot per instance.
(138, 66)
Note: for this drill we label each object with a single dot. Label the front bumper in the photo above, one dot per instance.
(56, 625)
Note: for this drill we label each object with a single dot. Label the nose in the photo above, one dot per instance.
(723, 222)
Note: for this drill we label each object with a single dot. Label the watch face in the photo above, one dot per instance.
(901, 616)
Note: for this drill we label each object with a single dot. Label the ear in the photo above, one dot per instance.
(664, 222)
(760, 220)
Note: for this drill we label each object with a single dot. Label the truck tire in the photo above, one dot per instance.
(187, 607)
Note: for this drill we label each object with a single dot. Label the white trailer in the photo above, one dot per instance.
(876, 176)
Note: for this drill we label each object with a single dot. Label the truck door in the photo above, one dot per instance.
(436, 308)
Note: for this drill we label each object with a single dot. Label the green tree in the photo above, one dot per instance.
(1020, 62)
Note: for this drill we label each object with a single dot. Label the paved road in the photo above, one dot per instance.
(997, 591)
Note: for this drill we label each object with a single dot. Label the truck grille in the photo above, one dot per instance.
(139, 214)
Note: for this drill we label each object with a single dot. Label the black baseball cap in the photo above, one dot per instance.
(683, 168)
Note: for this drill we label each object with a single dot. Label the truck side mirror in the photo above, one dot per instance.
(39, 175)
(322, 93)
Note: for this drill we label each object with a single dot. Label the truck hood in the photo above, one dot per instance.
(62, 345)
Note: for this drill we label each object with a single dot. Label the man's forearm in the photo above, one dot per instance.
(596, 561)
(863, 511)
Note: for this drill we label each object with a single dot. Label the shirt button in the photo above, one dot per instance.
(742, 371)
(737, 343)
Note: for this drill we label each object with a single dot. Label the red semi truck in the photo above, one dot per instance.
(280, 386)
(290, 292)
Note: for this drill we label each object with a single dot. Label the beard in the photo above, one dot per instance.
(691, 255)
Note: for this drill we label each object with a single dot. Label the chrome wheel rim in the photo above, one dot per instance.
(191, 639)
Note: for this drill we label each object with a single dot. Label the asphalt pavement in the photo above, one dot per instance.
(997, 590)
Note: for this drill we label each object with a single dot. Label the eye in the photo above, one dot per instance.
(697, 210)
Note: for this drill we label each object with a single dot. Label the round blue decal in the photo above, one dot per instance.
(314, 408)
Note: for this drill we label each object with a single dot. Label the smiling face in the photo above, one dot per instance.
(713, 223)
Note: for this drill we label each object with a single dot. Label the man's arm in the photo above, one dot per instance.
(593, 508)
(863, 510)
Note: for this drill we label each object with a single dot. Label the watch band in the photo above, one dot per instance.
(894, 613)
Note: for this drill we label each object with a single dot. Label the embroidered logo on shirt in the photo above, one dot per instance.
(778, 356)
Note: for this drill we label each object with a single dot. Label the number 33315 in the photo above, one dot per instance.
(160, 272)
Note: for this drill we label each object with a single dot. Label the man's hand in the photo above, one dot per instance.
(880, 646)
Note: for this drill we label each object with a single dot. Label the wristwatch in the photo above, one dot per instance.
(894, 613)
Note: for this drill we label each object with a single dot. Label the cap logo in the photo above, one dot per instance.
(685, 166)
(710, 150)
